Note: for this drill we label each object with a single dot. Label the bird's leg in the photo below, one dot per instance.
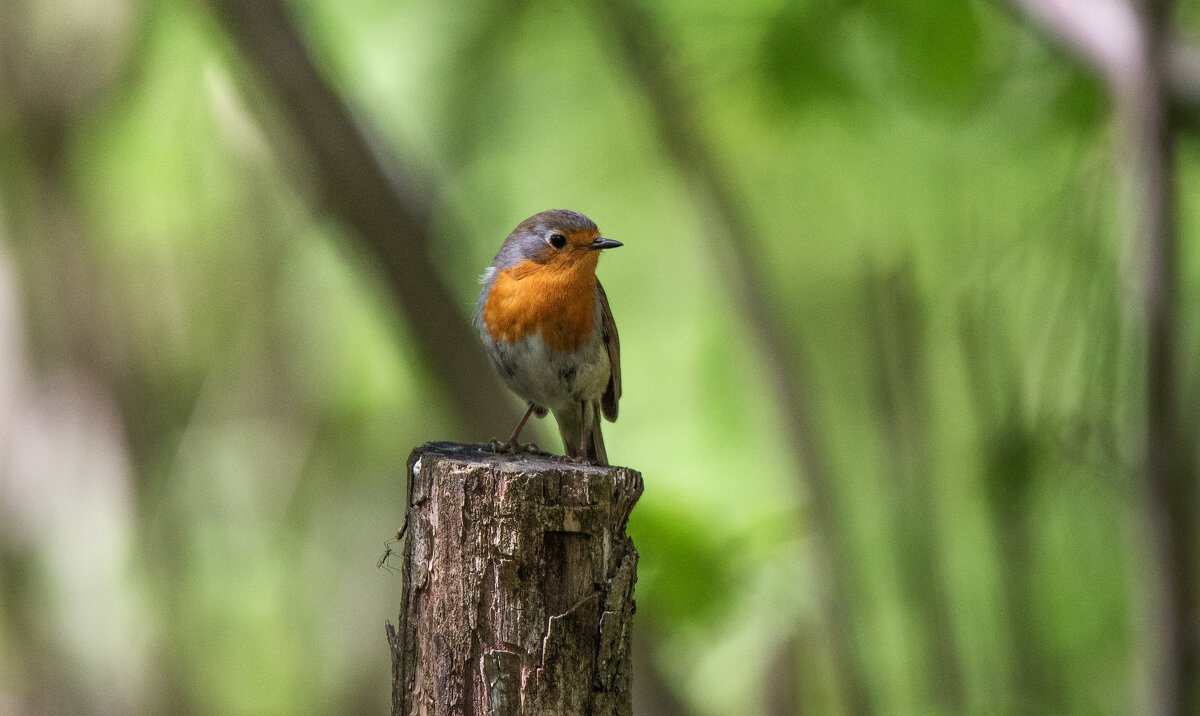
(583, 432)
(512, 445)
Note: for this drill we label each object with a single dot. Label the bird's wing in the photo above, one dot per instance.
(608, 332)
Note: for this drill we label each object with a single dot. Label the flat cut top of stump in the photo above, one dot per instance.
(542, 478)
(522, 461)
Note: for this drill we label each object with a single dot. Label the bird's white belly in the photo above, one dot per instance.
(550, 378)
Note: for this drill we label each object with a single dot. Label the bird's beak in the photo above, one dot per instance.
(603, 243)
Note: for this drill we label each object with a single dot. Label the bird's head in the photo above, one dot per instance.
(557, 239)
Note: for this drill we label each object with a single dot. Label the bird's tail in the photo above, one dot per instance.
(571, 431)
(595, 449)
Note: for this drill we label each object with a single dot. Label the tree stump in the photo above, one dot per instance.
(518, 586)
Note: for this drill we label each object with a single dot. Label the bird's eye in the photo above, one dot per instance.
(558, 241)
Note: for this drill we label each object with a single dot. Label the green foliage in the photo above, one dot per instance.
(802, 53)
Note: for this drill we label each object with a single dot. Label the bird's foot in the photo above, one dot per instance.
(512, 447)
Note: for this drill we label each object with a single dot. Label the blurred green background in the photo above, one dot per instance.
(869, 302)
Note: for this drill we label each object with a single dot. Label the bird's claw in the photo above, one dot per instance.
(510, 447)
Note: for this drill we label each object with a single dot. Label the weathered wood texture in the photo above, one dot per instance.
(518, 586)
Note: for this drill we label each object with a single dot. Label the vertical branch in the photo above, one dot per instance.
(1128, 44)
(894, 309)
(653, 692)
(643, 49)
(1169, 475)
(992, 371)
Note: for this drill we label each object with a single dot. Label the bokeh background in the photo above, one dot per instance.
(877, 365)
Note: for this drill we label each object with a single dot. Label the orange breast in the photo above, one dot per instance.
(557, 301)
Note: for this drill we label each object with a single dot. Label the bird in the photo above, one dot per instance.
(548, 331)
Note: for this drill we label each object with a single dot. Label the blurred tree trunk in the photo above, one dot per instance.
(385, 208)
(1169, 475)
(518, 586)
(1131, 49)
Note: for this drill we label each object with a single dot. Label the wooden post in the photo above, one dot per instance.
(518, 586)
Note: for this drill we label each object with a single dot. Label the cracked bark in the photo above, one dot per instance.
(518, 586)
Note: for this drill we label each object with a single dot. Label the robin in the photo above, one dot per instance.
(548, 331)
